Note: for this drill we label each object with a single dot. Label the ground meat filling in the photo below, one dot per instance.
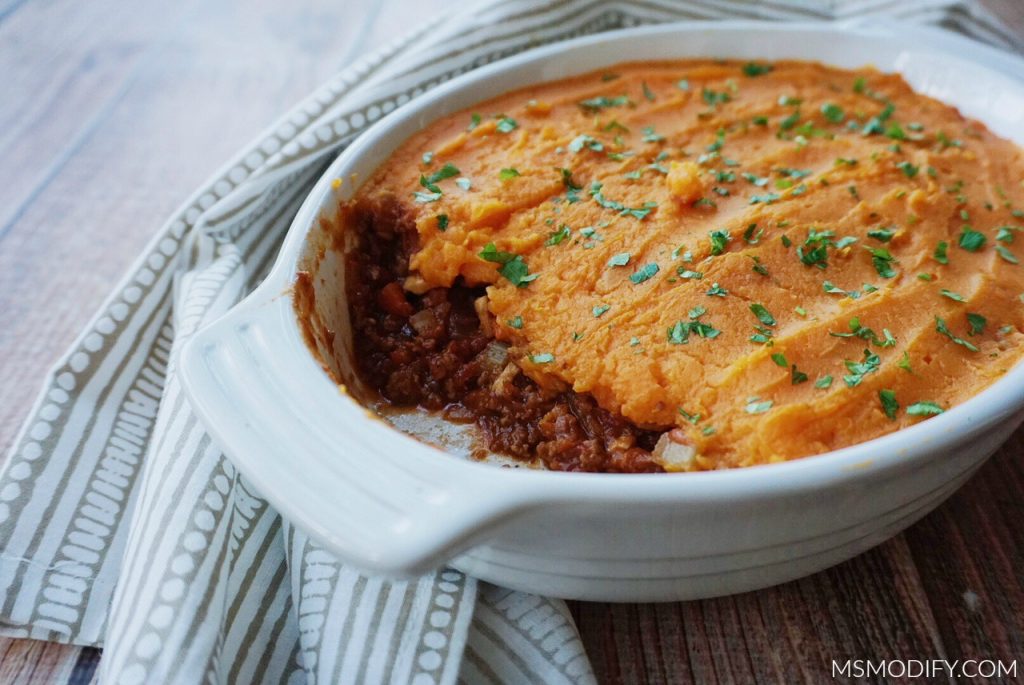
(431, 351)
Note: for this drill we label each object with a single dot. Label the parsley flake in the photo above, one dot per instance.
(1006, 255)
(882, 260)
(758, 406)
(976, 323)
(620, 259)
(719, 240)
(832, 112)
(860, 369)
(971, 240)
(753, 69)
(512, 268)
(762, 314)
(599, 103)
(956, 297)
(645, 273)
(889, 404)
(506, 124)
(924, 409)
(940, 326)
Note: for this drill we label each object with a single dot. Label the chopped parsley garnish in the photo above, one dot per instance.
(716, 291)
(924, 409)
(881, 234)
(823, 382)
(757, 406)
(971, 240)
(719, 240)
(865, 333)
(474, 121)
(652, 136)
(515, 322)
(940, 252)
(558, 236)
(644, 273)
(780, 360)
(512, 266)
(832, 112)
(859, 84)
(904, 362)
(762, 314)
(692, 418)
(749, 235)
(600, 309)
(683, 84)
(756, 180)
(877, 123)
(796, 376)
(636, 212)
(544, 358)
(679, 333)
(508, 173)
(755, 69)
(430, 182)
(464, 183)
(767, 198)
(423, 198)
(571, 189)
(976, 323)
(506, 124)
(442, 222)
(889, 404)
(758, 267)
(428, 157)
(620, 259)
(1006, 255)
(1004, 234)
(956, 297)
(599, 103)
(648, 93)
(882, 260)
(686, 273)
(908, 169)
(940, 326)
(833, 289)
(714, 98)
(585, 141)
(860, 369)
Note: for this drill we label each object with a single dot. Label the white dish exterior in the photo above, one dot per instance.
(391, 504)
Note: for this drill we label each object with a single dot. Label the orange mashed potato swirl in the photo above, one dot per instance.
(777, 259)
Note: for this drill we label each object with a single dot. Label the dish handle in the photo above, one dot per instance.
(375, 497)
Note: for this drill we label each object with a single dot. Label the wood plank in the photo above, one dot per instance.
(970, 553)
(872, 606)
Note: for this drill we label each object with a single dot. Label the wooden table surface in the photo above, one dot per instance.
(112, 113)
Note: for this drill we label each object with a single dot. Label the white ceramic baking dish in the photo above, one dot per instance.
(389, 503)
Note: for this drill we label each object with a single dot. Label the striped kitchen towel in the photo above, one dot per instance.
(122, 525)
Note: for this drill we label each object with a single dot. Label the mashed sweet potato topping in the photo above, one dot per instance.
(768, 260)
